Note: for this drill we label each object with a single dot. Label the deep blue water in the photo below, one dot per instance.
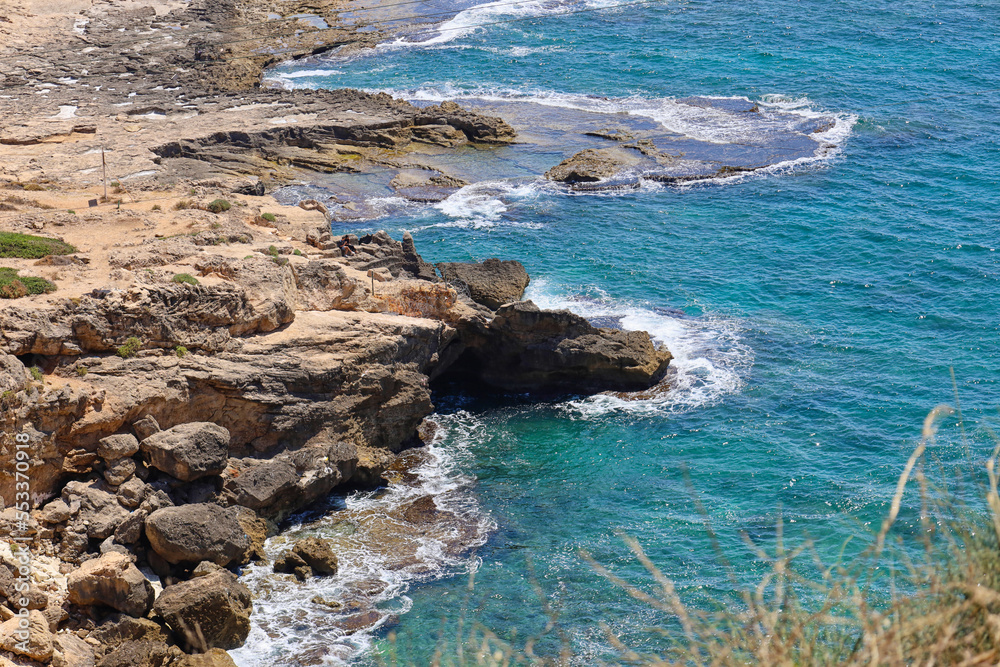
(816, 311)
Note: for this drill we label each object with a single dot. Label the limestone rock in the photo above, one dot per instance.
(292, 563)
(131, 529)
(188, 451)
(119, 471)
(71, 651)
(140, 654)
(145, 427)
(9, 583)
(193, 533)
(587, 166)
(491, 283)
(56, 511)
(34, 642)
(532, 349)
(318, 554)
(111, 580)
(209, 611)
(118, 446)
(120, 628)
(132, 492)
(215, 657)
(99, 513)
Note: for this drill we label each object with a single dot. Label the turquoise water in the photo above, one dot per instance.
(815, 310)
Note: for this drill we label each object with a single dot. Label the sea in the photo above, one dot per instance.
(818, 306)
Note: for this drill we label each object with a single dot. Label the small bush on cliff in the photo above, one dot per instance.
(130, 348)
(185, 278)
(297, 252)
(272, 251)
(268, 216)
(36, 373)
(26, 246)
(81, 370)
(181, 351)
(218, 206)
(13, 286)
(183, 205)
(156, 207)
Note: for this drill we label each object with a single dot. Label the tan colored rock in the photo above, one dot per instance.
(111, 580)
(29, 637)
(71, 651)
(215, 657)
(209, 611)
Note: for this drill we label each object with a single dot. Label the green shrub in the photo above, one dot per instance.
(248, 257)
(156, 207)
(218, 206)
(185, 278)
(32, 187)
(130, 348)
(26, 246)
(36, 373)
(13, 286)
(181, 351)
(272, 251)
(268, 216)
(280, 261)
(81, 370)
(71, 212)
(297, 252)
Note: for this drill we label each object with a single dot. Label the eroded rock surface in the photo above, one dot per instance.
(492, 283)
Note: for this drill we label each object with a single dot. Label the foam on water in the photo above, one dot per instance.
(291, 628)
(776, 116)
(710, 359)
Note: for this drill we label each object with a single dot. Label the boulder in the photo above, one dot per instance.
(34, 642)
(145, 427)
(215, 657)
(413, 263)
(132, 492)
(193, 533)
(188, 451)
(120, 628)
(56, 511)
(119, 471)
(292, 563)
(99, 513)
(141, 654)
(10, 583)
(208, 612)
(111, 580)
(131, 529)
(492, 283)
(117, 446)
(587, 166)
(318, 554)
(71, 651)
(531, 349)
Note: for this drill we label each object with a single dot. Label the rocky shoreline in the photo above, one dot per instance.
(211, 361)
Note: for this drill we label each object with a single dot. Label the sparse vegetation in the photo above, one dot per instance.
(183, 205)
(26, 246)
(130, 347)
(71, 211)
(185, 278)
(14, 286)
(218, 205)
(36, 373)
(81, 370)
(297, 252)
(181, 351)
(268, 216)
(272, 251)
(32, 187)
(156, 207)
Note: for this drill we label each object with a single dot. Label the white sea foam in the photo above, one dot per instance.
(710, 358)
(287, 624)
(484, 204)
